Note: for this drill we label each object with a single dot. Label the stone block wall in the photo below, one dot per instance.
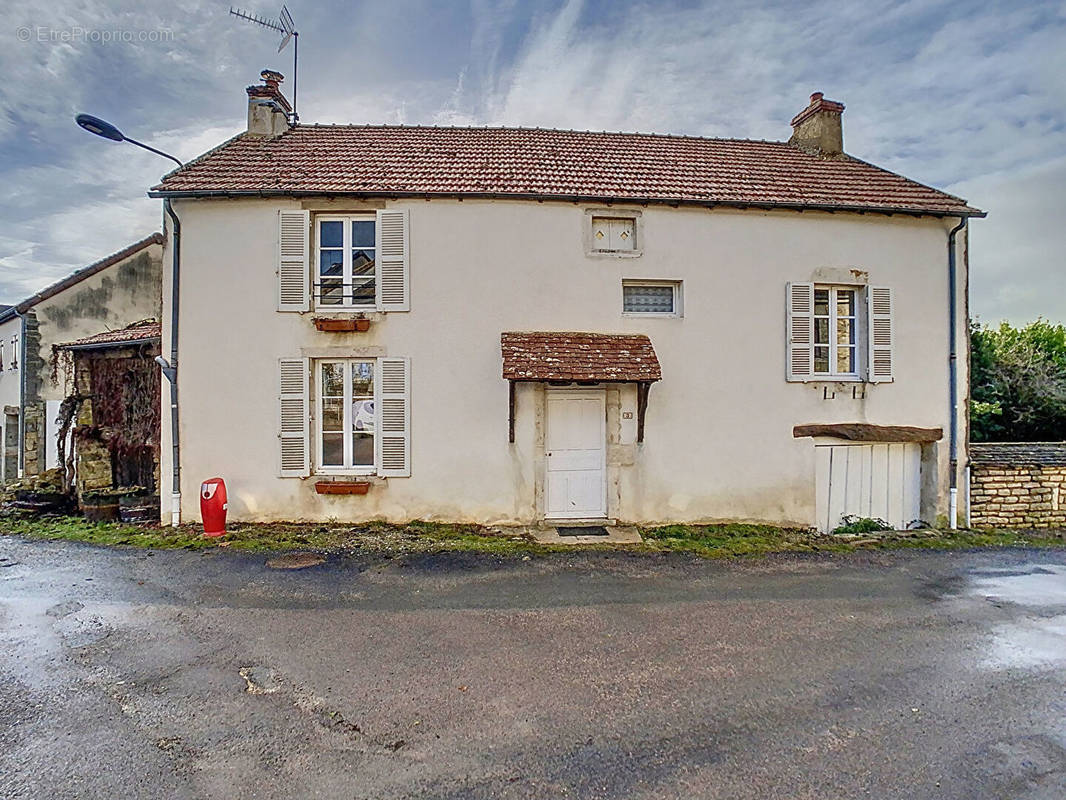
(33, 442)
(1018, 485)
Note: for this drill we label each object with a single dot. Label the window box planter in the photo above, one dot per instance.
(342, 487)
(342, 325)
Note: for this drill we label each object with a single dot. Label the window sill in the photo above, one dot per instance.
(652, 314)
(356, 312)
(614, 253)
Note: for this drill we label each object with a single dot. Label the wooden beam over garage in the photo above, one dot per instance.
(864, 432)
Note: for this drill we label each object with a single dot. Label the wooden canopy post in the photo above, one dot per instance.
(642, 408)
(510, 414)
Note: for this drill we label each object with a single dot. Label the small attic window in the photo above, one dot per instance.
(614, 234)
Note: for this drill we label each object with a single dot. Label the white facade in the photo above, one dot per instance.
(719, 441)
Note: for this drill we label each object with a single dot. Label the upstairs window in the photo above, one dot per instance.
(347, 262)
(835, 331)
(614, 234)
(840, 333)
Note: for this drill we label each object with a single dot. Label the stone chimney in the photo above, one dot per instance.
(817, 128)
(268, 109)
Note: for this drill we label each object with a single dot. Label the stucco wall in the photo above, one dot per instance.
(719, 441)
(125, 292)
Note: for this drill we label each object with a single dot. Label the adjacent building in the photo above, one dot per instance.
(518, 325)
(107, 295)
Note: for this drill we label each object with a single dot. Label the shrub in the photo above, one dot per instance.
(852, 524)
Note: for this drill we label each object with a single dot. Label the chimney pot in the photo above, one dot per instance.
(817, 129)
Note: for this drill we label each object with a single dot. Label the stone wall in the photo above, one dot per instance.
(1018, 485)
(34, 445)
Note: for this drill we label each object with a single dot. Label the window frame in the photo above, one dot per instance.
(347, 279)
(317, 467)
(859, 325)
(679, 303)
(633, 214)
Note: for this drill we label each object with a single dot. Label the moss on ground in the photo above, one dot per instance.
(728, 541)
(707, 541)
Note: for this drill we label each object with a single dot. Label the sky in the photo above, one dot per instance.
(967, 97)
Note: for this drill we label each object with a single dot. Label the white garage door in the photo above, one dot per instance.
(882, 481)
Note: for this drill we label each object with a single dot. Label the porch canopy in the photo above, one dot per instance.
(146, 332)
(578, 357)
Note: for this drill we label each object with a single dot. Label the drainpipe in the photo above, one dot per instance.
(170, 368)
(953, 373)
(22, 391)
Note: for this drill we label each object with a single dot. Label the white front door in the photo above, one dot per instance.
(576, 449)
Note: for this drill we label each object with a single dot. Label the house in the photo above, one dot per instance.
(513, 325)
(106, 295)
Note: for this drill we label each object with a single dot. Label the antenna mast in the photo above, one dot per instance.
(287, 28)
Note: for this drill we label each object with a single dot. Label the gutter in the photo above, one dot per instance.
(110, 345)
(953, 376)
(170, 369)
(566, 198)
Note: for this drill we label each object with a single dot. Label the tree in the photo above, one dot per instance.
(1018, 382)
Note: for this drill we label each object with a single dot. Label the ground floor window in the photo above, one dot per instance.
(347, 421)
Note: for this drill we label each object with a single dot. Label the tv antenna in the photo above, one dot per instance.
(287, 28)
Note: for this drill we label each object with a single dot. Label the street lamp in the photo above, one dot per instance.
(106, 130)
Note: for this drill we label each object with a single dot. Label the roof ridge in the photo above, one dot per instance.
(401, 126)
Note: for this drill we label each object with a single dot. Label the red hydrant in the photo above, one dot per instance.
(213, 506)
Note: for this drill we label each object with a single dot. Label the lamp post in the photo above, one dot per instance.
(105, 129)
(108, 131)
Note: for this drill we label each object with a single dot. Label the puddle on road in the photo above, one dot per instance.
(1037, 586)
(1036, 638)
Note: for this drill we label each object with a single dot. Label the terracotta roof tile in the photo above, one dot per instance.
(535, 162)
(571, 356)
(137, 332)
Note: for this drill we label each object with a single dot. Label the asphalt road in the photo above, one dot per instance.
(133, 674)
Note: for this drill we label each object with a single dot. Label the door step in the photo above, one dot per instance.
(586, 534)
(581, 530)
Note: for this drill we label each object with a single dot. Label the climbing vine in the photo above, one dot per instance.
(125, 405)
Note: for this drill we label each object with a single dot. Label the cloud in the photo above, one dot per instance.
(967, 97)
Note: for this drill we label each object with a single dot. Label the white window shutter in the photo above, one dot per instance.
(800, 331)
(394, 261)
(881, 335)
(293, 418)
(293, 260)
(394, 417)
